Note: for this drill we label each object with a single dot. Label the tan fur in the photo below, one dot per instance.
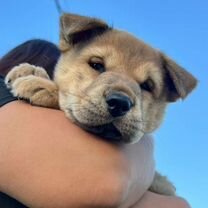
(129, 63)
(162, 185)
(32, 83)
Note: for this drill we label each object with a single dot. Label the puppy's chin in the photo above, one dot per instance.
(112, 134)
(136, 138)
(107, 131)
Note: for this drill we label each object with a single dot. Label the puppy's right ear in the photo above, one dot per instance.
(77, 29)
(179, 82)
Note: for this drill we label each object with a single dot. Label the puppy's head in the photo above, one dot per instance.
(113, 84)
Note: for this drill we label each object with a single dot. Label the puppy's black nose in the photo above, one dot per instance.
(118, 104)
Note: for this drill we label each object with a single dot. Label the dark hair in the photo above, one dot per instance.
(36, 52)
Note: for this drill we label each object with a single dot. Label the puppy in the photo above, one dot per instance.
(107, 82)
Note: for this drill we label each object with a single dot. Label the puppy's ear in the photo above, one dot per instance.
(178, 82)
(77, 29)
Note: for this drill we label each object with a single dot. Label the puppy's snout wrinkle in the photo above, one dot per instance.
(118, 104)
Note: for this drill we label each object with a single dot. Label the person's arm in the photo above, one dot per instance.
(46, 161)
(49, 162)
(152, 200)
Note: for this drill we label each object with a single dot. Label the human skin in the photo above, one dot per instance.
(46, 161)
(152, 200)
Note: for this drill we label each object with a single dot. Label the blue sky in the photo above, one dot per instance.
(178, 28)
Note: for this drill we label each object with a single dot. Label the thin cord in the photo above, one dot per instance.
(58, 7)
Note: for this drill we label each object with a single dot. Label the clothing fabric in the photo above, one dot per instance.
(8, 202)
(5, 94)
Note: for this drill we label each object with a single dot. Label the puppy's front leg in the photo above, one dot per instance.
(38, 91)
(32, 83)
(162, 185)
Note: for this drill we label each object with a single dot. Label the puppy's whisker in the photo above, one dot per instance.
(137, 121)
(85, 94)
(84, 98)
(141, 121)
(90, 111)
(137, 129)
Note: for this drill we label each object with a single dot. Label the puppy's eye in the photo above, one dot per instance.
(97, 64)
(148, 85)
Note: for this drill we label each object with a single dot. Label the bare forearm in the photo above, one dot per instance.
(48, 162)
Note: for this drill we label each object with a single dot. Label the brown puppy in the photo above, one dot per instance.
(106, 81)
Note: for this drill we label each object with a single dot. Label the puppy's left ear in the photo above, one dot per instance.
(178, 82)
(76, 29)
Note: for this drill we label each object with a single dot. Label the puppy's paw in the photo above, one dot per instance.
(24, 70)
(36, 90)
(162, 185)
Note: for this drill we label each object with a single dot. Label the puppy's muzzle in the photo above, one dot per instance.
(118, 104)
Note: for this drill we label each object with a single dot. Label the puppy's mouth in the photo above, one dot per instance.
(106, 131)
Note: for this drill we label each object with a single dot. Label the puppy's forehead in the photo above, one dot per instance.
(123, 47)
